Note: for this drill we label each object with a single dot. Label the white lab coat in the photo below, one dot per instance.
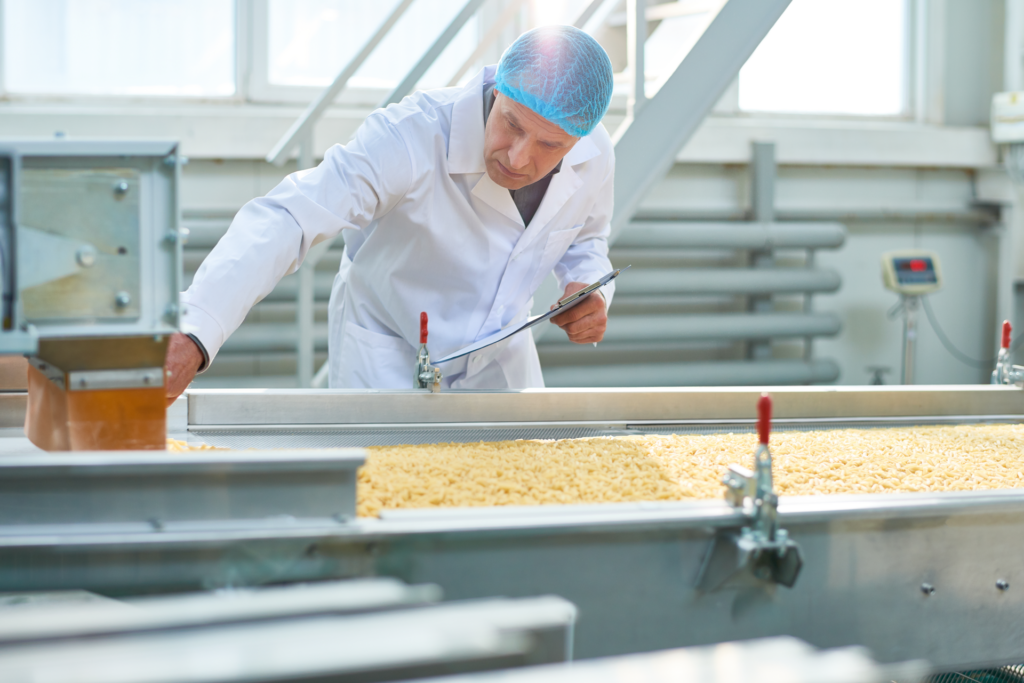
(427, 230)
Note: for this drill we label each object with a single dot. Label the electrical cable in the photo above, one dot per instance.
(953, 351)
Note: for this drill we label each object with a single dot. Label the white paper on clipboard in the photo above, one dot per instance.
(563, 305)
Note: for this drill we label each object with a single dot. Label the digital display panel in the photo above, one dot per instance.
(915, 271)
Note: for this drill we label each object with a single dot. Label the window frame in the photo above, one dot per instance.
(241, 53)
(923, 65)
(922, 74)
(259, 89)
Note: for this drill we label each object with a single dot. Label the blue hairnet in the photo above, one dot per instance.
(561, 73)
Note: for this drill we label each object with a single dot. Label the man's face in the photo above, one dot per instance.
(520, 146)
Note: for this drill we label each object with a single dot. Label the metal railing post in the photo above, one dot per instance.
(762, 196)
(588, 12)
(430, 56)
(492, 34)
(636, 37)
(305, 123)
(646, 146)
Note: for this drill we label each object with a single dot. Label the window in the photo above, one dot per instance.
(120, 47)
(310, 41)
(832, 57)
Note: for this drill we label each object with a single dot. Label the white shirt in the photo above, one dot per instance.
(428, 230)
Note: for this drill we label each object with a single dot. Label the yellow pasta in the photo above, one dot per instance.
(686, 467)
(179, 446)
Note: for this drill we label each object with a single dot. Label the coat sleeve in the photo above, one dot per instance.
(586, 260)
(270, 236)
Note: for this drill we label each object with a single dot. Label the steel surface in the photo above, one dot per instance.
(629, 568)
(361, 436)
(161, 488)
(381, 646)
(386, 407)
(56, 621)
(13, 405)
(776, 659)
(118, 201)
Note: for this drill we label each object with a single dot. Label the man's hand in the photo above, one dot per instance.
(183, 361)
(585, 322)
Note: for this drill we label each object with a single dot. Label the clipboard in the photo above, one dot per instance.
(563, 305)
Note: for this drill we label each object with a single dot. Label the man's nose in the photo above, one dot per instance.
(518, 155)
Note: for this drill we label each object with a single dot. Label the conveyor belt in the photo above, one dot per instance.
(924, 575)
(390, 436)
(293, 436)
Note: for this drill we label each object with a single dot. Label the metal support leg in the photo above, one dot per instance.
(305, 297)
(809, 309)
(306, 152)
(910, 306)
(305, 322)
(763, 207)
(636, 37)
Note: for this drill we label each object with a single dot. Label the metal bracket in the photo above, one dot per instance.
(1005, 371)
(760, 546)
(87, 380)
(427, 376)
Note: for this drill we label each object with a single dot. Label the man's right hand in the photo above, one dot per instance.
(183, 362)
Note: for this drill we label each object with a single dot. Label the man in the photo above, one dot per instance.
(457, 202)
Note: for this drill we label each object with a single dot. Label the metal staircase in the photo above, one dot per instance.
(705, 302)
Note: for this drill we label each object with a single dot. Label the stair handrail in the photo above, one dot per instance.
(301, 130)
(647, 144)
(430, 56)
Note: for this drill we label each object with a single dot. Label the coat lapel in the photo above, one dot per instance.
(466, 148)
(564, 185)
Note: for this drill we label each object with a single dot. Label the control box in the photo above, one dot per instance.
(911, 272)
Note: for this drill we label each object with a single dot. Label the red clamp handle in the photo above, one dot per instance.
(1007, 330)
(764, 417)
(423, 327)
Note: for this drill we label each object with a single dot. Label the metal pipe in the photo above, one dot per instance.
(721, 373)
(303, 126)
(305, 159)
(910, 306)
(305, 323)
(266, 337)
(635, 328)
(982, 216)
(636, 38)
(728, 281)
(288, 288)
(305, 312)
(492, 35)
(762, 201)
(1013, 50)
(272, 337)
(723, 235)
(430, 56)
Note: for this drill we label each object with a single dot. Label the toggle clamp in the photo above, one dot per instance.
(427, 376)
(760, 546)
(1005, 371)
